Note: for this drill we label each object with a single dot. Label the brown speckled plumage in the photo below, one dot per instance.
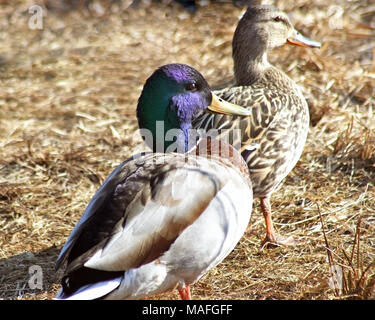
(276, 130)
(271, 140)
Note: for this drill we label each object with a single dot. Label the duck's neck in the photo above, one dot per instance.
(186, 139)
(249, 66)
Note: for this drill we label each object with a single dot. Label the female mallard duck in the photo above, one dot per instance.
(161, 220)
(271, 140)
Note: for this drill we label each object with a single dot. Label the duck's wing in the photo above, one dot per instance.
(139, 212)
(94, 211)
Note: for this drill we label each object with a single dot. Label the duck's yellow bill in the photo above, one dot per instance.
(219, 105)
(299, 40)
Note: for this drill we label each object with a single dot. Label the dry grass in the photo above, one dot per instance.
(67, 100)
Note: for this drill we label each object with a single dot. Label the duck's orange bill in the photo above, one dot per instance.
(299, 40)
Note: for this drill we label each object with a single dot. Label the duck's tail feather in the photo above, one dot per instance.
(91, 291)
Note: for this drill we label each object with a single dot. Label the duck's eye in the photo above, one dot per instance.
(191, 86)
(277, 19)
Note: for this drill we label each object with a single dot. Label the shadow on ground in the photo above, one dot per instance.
(28, 273)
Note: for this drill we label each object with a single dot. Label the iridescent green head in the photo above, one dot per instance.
(172, 97)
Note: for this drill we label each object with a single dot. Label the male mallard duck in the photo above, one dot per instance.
(272, 139)
(161, 220)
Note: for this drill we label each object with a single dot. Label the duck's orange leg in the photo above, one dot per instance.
(185, 293)
(271, 236)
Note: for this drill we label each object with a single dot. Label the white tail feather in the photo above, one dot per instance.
(92, 291)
